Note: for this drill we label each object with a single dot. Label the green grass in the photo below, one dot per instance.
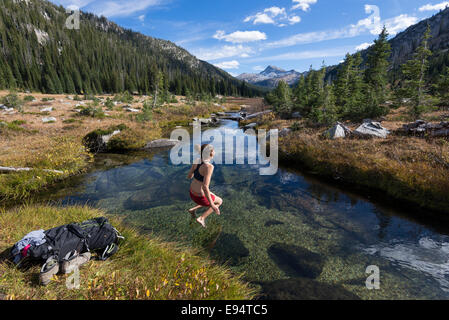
(143, 268)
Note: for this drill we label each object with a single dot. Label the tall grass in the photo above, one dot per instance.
(143, 268)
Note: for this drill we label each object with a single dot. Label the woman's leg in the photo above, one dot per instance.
(202, 220)
(194, 210)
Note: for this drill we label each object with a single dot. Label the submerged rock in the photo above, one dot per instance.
(304, 289)
(296, 261)
(229, 248)
(371, 129)
(273, 223)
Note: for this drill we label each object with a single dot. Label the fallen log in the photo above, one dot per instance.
(10, 170)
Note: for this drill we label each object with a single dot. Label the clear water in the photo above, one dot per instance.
(274, 228)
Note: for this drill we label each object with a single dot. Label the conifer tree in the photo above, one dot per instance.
(414, 71)
(376, 75)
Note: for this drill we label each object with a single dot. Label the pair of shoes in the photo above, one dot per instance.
(49, 269)
(74, 260)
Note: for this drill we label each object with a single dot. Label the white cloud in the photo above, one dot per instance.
(399, 23)
(240, 36)
(274, 15)
(142, 18)
(372, 24)
(234, 64)
(363, 46)
(294, 20)
(434, 7)
(304, 5)
(223, 52)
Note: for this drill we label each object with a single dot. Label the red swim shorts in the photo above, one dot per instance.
(201, 201)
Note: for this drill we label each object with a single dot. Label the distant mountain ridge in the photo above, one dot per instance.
(271, 76)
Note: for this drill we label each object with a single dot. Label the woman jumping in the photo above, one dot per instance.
(199, 189)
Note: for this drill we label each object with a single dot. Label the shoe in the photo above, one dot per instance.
(49, 269)
(74, 260)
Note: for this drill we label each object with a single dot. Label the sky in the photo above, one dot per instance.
(245, 36)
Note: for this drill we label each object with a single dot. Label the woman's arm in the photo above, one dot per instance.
(206, 183)
(191, 172)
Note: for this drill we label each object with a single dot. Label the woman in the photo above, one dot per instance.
(199, 189)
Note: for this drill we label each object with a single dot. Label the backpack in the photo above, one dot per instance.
(92, 235)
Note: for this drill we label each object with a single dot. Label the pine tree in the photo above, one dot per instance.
(281, 99)
(376, 75)
(414, 71)
(442, 88)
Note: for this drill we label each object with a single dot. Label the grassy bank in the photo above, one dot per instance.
(144, 268)
(406, 168)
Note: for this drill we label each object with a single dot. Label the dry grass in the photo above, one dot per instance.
(407, 168)
(143, 269)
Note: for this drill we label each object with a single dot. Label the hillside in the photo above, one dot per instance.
(38, 53)
(270, 77)
(404, 44)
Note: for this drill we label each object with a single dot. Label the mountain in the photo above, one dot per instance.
(271, 76)
(38, 52)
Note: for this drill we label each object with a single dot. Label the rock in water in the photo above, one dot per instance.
(372, 129)
(230, 249)
(162, 143)
(304, 289)
(296, 261)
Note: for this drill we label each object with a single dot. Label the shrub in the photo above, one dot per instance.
(28, 98)
(12, 100)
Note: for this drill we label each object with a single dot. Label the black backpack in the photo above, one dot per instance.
(96, 235)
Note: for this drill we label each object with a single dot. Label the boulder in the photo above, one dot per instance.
(441, 133)
(285, 132)
(162, 143)
(250, 126)
(258, 114)
(206, 122)
(422, 128)
(371, 129)
(48, 109)
(129, 109)
(338, 131)
(3, 107)
(49, 120)
(296, 115)
(98, 140)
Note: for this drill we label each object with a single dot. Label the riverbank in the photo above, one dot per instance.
(45, 132)
(406, 168)
(143, 268)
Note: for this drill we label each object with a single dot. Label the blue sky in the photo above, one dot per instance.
(248, 35)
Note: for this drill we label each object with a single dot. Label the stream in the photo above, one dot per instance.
(291, 235)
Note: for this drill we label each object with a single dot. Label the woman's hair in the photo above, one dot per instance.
(205, 150)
